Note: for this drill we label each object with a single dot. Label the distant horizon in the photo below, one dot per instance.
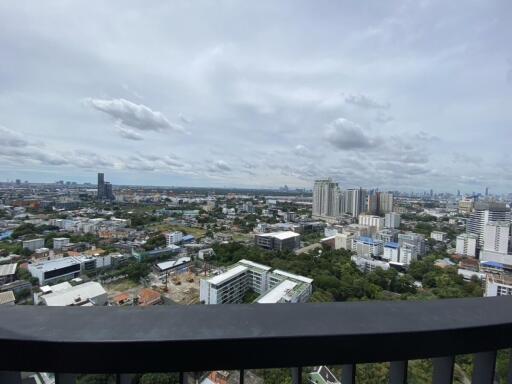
(274, 189)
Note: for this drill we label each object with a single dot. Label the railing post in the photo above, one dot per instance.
(296, 375)
(65, 378)
(483, 367)
(242, 377)
(509, 374)
(443, 370)
(398, 372)
(183, 377)
(124, 378)
(13, 377)
(348, 374)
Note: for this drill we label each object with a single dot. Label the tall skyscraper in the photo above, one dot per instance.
(101, 186)
(483, 213)
(356, 201)
(326, 198)
(104, 188)
(385, 202)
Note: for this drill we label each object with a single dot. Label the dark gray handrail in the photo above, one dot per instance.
(200, 337)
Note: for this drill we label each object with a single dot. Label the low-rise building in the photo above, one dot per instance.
(179, 265)
(148, 296)
(49, 271)
(280, 241)
(60, 242)
(7, 273)
(438, 235)
(173, 238)
(86, 294)
(33, 244)
(7, 298)
(498, 285)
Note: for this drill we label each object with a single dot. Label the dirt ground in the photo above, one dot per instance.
(186, 292)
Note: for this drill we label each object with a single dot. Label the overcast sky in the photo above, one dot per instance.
(404, 95)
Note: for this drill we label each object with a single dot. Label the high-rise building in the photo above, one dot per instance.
(372, 221)
(104, 188)
(466, 244)
(483, 213)
(496, 236)
(356, 201)
(385, 202)
(392, 220)
(326, 198)
(101, 186)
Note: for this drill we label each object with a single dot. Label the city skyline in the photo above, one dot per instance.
(391, 95)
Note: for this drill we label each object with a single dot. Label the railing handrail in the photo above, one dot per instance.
(206, 337)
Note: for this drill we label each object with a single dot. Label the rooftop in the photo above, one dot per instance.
(8, 269)
(277, 293)
(51, 265)
(392, 245)
(255, 265)
(7, 297)
(369, 240)
(227, 275)
(281, 235)
(293, 276)
(74, 295)
(172, 263)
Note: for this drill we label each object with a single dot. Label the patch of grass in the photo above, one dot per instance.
(121, 285)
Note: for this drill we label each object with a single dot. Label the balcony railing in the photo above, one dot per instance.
(122, 340)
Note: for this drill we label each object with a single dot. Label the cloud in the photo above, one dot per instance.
(303, 151)
(219, 166)
(136, 116)
(9, 138)
(128, 133)
(347, 135)
(366, 102)
(383, 118)
(184, 118)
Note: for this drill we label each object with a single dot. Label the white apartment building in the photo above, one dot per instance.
(34, 244)
(498, 285)
(438, 235)
(230, 287)
(466, 244)
(372, 221)
(412, 239)
(392, 220)
(367, 247)
(340, 241)
(408, 253)
(391, 252)
(496, 236)
(485, 212)
(326, 198)
(60, 242)
(173, 238)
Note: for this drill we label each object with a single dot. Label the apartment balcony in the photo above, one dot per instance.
(121, 341)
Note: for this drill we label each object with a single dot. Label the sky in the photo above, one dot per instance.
(399, 95)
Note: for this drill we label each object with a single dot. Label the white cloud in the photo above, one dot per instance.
(137, 116)
(364, 101)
